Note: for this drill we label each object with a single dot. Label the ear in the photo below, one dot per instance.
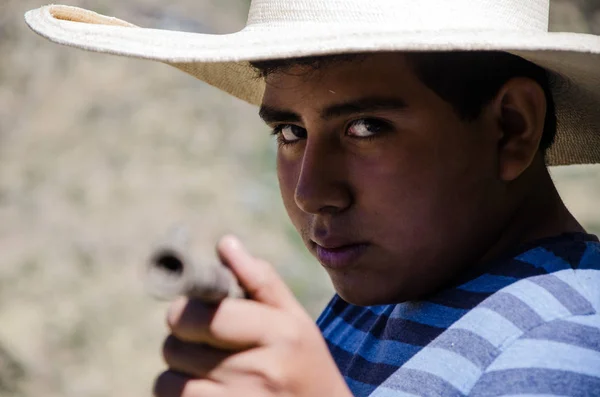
(520, 110)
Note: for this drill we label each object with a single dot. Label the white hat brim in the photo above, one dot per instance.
(222, 60)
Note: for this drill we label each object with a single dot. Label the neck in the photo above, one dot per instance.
(541, 213)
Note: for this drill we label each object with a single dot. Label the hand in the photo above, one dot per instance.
(259, 347)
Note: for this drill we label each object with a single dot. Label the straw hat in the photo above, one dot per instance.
(296, 28)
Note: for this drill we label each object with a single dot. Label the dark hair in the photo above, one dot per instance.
(466, 80)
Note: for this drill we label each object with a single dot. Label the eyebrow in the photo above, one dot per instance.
(272, 114)
(362, 105)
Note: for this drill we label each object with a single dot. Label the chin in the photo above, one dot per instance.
(374, 284)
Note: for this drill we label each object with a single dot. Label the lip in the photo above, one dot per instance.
(340, 257)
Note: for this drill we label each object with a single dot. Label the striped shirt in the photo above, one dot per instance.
(528, 326)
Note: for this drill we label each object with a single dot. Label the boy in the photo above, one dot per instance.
(413, 150)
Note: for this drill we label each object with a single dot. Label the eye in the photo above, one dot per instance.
(365, 128)
(289, 133)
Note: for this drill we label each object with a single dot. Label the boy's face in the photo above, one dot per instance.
(388, 187)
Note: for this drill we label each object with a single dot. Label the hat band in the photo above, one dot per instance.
(409, 15)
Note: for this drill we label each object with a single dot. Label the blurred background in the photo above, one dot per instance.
(100, 155)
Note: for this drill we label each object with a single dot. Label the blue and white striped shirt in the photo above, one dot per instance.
(529, 326)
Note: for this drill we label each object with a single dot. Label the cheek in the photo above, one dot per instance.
(424, 190)
(400, 194)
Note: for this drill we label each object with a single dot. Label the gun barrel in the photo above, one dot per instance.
(172, 272)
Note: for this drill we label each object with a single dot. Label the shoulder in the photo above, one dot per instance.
(538, 328)
(550, 341)
(530, 303)
(560, 357)
(540, 335)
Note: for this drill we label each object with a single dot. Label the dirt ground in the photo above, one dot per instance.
(99, 156)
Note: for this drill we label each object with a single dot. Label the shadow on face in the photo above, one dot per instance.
(389, 188)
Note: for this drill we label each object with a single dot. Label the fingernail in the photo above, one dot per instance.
(231, 242)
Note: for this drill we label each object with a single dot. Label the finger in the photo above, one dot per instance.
(262, 366)
(271, 369)
(256, 366)
(190, 319)
(235, 324)
(197, 360)
(257, 277)
(173, 384)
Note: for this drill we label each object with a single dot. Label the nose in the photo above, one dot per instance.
(322, 185)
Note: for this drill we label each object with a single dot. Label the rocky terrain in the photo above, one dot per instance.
(99, 156)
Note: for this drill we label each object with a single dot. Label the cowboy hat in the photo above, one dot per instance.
(278, 29)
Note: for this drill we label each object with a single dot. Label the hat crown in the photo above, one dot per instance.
(409, 15)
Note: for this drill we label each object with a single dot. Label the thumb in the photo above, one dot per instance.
(257, 277)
